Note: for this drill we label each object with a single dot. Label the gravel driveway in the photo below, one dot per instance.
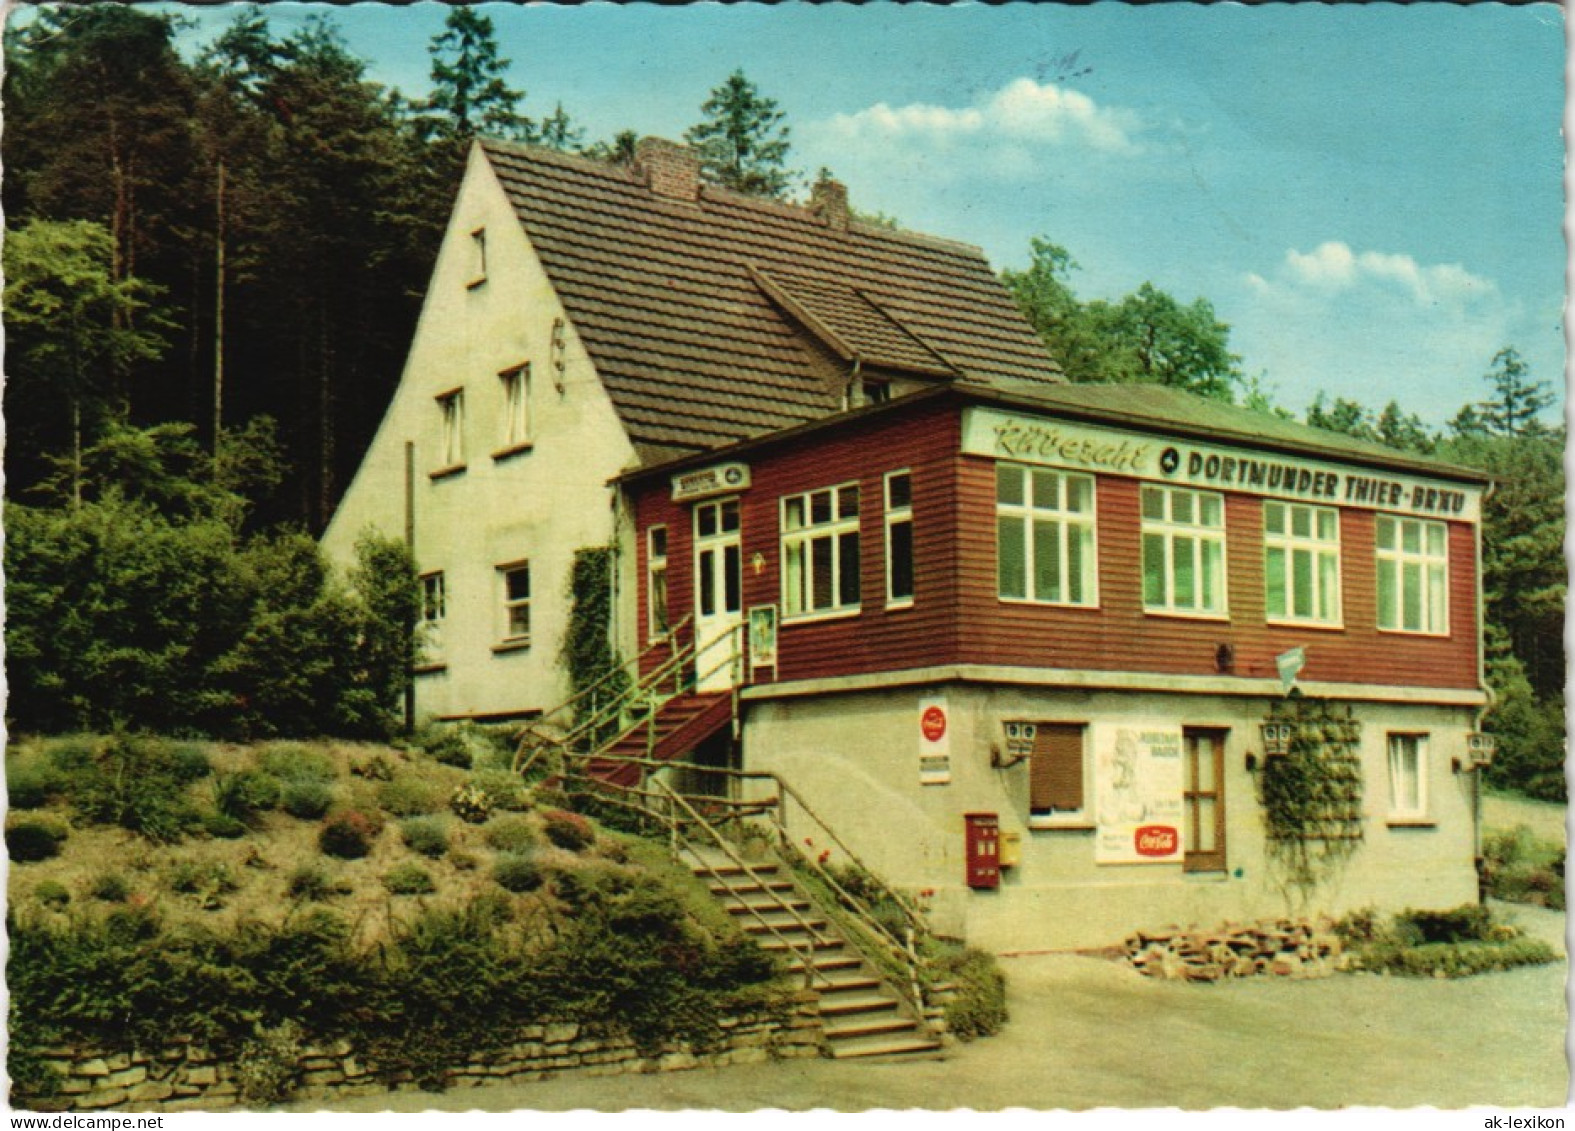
(1089, 1033)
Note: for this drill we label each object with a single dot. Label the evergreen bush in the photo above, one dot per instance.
(425, 835)
(349, 835)
(512, 833)
(409, 879)
(409, 795)
(109, 887)
(52, 894)
(306, 798)
(31, 840)
(568, 830)
(518, 872)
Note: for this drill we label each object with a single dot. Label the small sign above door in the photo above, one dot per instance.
(717, 479)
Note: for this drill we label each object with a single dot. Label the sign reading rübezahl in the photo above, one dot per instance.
(1094, 448)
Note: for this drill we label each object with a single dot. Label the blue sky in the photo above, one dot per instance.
(1371, 196)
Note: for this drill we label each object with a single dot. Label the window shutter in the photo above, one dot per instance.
(1055, 772)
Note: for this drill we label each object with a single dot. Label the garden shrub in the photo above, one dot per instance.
(568, 830)
(52, 894)
(1453, 960)
(189, 762)
(1467, 923)
(471, 803)
(32, 782)
(518, 872)
(312, 883)
(978, 1007)
(267, 1066)
(135, 782)
(409, 879)
(291, 761)
(224, 827)
(409, 795)
(510, 834)
(109, 887)
(243, 794)
(506, 788)
(426, 835)
(209, 881)
(32, 839)
(448, 745)
(349, 835)
(1519, 868)
(306, 798)
(375, 768)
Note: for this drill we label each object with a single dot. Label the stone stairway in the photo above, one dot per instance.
(861, 1014)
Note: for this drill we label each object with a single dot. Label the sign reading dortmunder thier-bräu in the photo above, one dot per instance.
(1093, 448)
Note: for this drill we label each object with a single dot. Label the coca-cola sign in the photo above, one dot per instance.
(1155, 840)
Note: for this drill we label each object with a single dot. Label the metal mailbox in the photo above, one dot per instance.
(983, 849)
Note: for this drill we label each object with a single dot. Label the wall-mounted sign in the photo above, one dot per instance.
(717, 479)
(935, 759)
(1090, 447)
(1138, 784)
(763, 636)
(1290, 666)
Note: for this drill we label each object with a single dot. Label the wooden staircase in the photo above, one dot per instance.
(676, 728)
(862, 1015)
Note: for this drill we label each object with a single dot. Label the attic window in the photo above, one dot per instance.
(877, 392)
(478, 258)
(515, 435)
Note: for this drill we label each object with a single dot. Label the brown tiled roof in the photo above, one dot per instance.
(673, 300)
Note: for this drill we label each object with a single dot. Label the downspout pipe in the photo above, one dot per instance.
(1487, 706)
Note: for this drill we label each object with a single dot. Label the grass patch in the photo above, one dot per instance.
(425, 835)
(409, 879)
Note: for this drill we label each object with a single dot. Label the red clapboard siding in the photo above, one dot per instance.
(1119, 636)
(956, 616)
(923, 442)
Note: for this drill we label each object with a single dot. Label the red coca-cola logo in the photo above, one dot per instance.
(932, 724)
(1155, 840)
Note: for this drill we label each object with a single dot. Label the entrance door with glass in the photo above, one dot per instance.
(719, 606)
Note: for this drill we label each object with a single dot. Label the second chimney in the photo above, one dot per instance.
(670, 169)
(828, 200)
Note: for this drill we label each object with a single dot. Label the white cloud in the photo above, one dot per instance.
(1371, 326)
(1334, 266)
(1023, 113)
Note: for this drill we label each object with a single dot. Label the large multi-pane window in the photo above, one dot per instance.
(1183, 551)
(1044, 535)
(1413, 575)
(820, 551)
(899, 539)
(1407, 776)
(1301, 547)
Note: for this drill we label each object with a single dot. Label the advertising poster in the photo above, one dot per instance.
(935, 759)
(1138, 779)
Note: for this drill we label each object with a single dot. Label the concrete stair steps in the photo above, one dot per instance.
(838, 1002)
(742, 888)
(877, 1025)
(896, 1046)
(828, 964)
(770, 942)
(782, 918)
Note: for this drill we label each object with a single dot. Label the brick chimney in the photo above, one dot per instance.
(670, 169)
(828, 200)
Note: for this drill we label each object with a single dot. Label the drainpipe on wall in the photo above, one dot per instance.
(410, 546)
(1482, 713)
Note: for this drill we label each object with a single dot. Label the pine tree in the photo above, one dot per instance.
(742, 142)
(469, 96)
(1518, 401)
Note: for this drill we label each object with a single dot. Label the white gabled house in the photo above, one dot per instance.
(586, 318)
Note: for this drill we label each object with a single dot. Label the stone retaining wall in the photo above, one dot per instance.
(184, 1076)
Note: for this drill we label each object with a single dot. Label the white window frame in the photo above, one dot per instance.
(798, 541)
(1032, 514)
(899, 515)
(512, 605)
(1321, 552)
(1400, 747)
(451, 443)
(656, 581)
(1432, 573)
(516, 421)
(1171, 532)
